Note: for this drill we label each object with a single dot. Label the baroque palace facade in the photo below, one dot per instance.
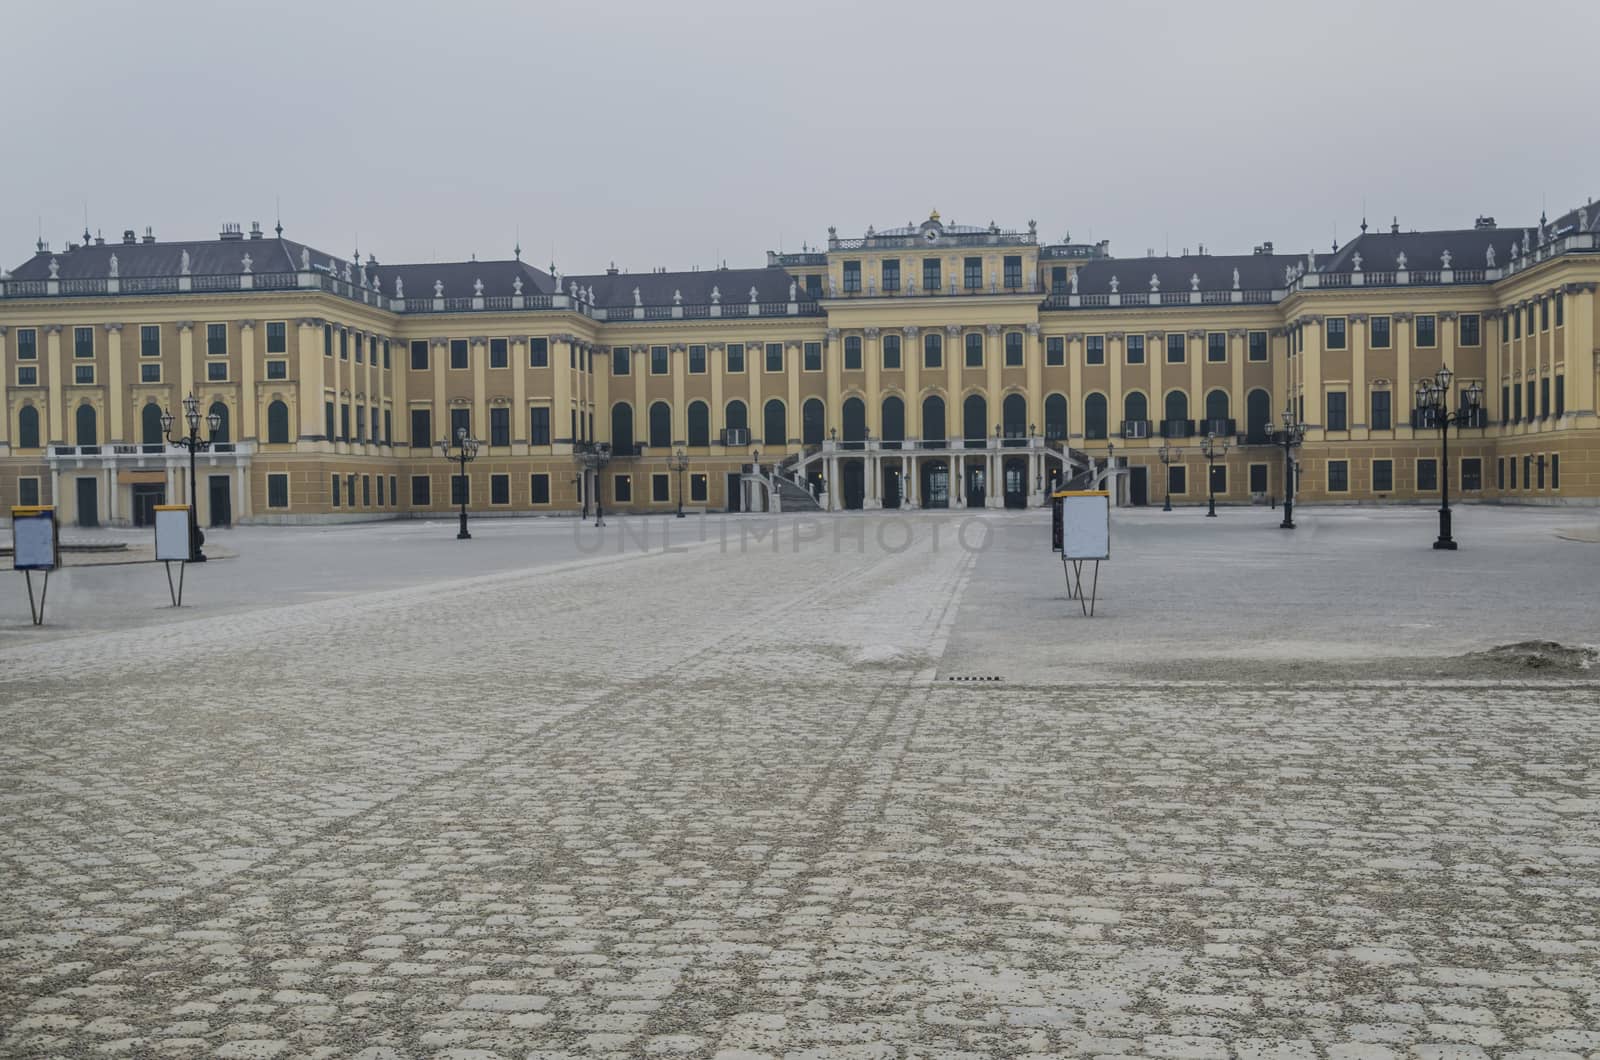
(930, 365)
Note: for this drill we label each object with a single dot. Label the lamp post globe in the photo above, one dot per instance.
(194, 444)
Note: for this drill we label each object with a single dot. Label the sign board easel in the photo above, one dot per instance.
(172, 545)
(35, 546)
(1082, 524)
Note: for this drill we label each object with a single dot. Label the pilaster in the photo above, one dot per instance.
(55, 430)
(115, 394)
(247, 380)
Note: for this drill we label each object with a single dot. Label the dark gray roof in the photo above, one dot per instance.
(1256, 272)
(1573, 220)
(1380, 251)
(460, 278)
(657, 288)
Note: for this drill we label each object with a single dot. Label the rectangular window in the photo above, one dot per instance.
(1516, 403)
(891, 353)
(538, 352)
(622, 489)
(1336, 411)
(344, 355)
(891, 274)
(460, 488)
(460, 423)
(1527, 472)
(344, 422)
(419, 355)
(1561, 313)
(277, 491)
(361, 422)
(660, 488)
(1427, 474)
(1257, 341)
(930, 275)
(1531, 408)
(1427, 333)
(338, 487)
(735, 357)
(1538, 466)
(658, 360)
(1472, 473)
(1055, 351)
(1177, 479)
(852, 276)
(1516, 324)
(385, 353)
(1012, 275)
(327, 340)
(1095, 349)
(539, 425)
(1544, 314)
(83, 374)
(151, 373)
(539, 489)
(27, 375)
(421, 491)
(1216, 347)
(150, 340)
(1336, 335)
(620, 359)
(811, 353)
(1500, 473)
(1471, 330)
(1380, 333)
(698, 490)
(500, 426)
(421, 428)
(1135, 346)
(366, 491)
(28, 344)
(1382, 412)
(28, 491)
(381, 501)
(277, 337)
(499, 489)
(458, 354)
(499, 353)
(217, 372)
(83, 342)
(360, 346)
(1175, 351)
(974, 344)
(814, 286)
(774, 356)
(1058, 279)
(388, 427)
(275, 369)
(1513, 465)
(1258, 478)
(972, 273)
(1014, 349)
(327, 421)
(697, 359)
(1544, 398)
(1555, 466)
(932, 350)
(1561, 395)
(1382, 476)
(1338, 476)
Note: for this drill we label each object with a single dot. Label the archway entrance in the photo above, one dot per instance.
(853, 483)
(1016, 482)
(935, 484)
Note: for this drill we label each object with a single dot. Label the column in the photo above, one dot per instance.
(641, 413)
(561, 390)
(1033, 357)
(954, 355)
(55, 430)
(993, 487)
(1197, 386)
(833, 484)
(1075, 384)
(479, 347)
(993, 354)
(680, 414)
(341, 387)
(1405, 380)
(791, 404)
(908, 482)
(717, 352)
(116, 408)
(438, 363)
(1116, 354)
(1311, 375)
(755, 363)
(5, 407)
(602, 396)
(911, 360)
(1580, 369)
(872, 353)
(308, 393)
(958, 474)
(1447, 346)
(1155, 355)
(833, 361)
(1236, 396)
(872, 471)
(518, 353)
(247, 382)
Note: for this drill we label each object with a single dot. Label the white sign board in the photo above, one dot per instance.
(172, 533)
(1086, 526)
(33, 537)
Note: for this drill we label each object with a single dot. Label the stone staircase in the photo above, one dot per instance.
(793, 497)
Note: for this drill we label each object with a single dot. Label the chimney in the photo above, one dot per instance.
(255, 229)
(99, 240)
(149, 236)
(1483, 222)
(611, 270)
(230, 230)
(128, 237)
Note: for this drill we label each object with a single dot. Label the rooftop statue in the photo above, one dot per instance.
(115, 267)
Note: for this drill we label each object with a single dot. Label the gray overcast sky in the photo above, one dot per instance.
(667, 134)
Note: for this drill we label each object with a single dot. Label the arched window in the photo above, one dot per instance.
(28, 427)
(699, 423)
(1217, 409)
(1055, 418)
(894, 419)
(1177, 411)
(88, 425)
(622, 426)
(1014, 416)
(854, 428)
(1135, 410)
(150, 424)
(974, 418)
(812, 415)
(1094, 417)
(661, 425)
(933, 427)
(736, 417)
(219, 410)
(278, 423)
(775, 426)
(1257, 410)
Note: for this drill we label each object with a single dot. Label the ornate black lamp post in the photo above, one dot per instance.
(1289, 436)
(1211, 447)
(1169, 455)
(1433, 410)
(194, 443)
(679, 461)
(466, 450)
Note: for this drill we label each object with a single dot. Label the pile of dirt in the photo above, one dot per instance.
(1538, 655)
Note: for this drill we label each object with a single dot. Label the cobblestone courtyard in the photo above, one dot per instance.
(379, 793)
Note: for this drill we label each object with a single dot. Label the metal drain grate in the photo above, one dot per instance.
(972, 677)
